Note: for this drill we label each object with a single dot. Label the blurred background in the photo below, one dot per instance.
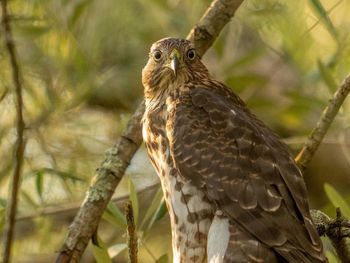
(81, 63)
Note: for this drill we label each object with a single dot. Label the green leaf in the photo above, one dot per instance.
(63, 175)
(28, 198)
(163, 259)
(157, 199)
(33, 31)
(327, 76)
(337, 200)
(2, 218)
(244, 81)
(39, 183)
(331, 257)
(116, 249)
(3, 202)
(101, 253)
(60, 174)
(161, 211)
(78, 11)
(134, 200)
(247, 59)
(114, 216)
(323, 15)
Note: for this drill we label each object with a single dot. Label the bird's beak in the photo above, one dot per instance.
(175, 61)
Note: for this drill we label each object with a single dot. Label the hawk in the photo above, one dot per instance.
(232, 188)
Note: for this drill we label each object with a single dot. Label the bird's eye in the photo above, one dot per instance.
(157, 55)
(191, 54)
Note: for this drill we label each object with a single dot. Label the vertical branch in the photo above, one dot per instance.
(20, 144)
(132, 234)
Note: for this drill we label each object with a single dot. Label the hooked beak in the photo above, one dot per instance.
(174, 61)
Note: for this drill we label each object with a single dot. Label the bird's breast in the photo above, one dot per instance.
(190, 212)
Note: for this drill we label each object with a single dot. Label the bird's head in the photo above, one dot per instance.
(172, 61)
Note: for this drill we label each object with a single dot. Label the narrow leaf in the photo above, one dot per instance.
(323, 15)
(33, 31)
(2, 218)
(116, 249)
(157, 199)
(28, 198)
(39, 183)
(327, 76)
(114, 216)
(163, 259)
(101, 253)
(337, 200)
(3, 202)
(134, 200)
(78, 11)
(161, 211)
(331, 257)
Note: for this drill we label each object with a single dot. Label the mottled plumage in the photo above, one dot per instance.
(233, 190)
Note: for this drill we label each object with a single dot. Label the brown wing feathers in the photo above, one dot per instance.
(218, 144)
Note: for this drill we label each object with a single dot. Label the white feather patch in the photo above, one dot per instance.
(218, 238)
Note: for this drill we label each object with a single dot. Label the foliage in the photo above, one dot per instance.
(81, 62)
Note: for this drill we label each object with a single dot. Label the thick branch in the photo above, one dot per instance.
(20, 144)
(113, 167)
(322, 126)
(212, 22)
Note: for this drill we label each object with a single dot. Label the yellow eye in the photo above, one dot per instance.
(157, 55)
(191, 54)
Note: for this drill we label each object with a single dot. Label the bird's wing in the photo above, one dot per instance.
(243, 167)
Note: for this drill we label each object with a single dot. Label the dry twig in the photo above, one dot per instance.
(20, 143)
(132, 234)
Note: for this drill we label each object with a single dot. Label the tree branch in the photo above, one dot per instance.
(117, 159)
(337, 237)
(107, 177)
(317, 134)
(310, 147)
(20, 143)
(212, 22)
(337, 230)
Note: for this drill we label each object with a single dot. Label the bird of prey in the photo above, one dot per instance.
(232, 188)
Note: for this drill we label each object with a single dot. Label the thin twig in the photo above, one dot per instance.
(20, 144)
(322, 126)
(118, 158)
(132, 234)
